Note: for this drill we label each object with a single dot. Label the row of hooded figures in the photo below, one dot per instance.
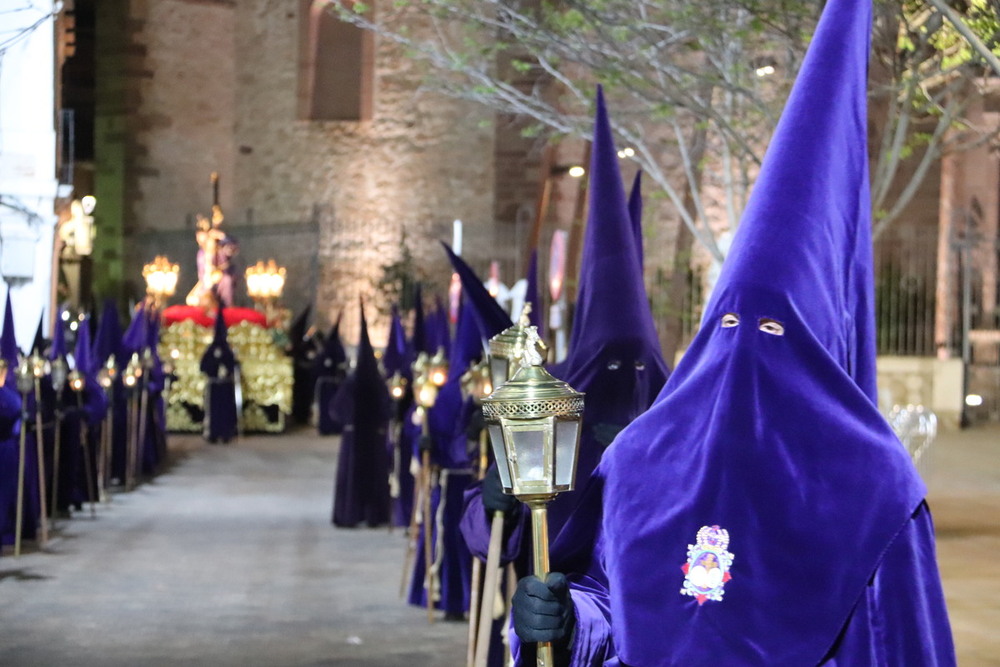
(78, 419)
(84, 414)
(750, 506)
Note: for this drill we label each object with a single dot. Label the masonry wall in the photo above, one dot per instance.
(329, 199)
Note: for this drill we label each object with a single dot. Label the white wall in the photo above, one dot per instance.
(27, 161)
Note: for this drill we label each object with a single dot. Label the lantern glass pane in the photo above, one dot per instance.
(498, 370)
(567, 446)
(500, 454)
(532, 466)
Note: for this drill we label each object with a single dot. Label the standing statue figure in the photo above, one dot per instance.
(216, 250)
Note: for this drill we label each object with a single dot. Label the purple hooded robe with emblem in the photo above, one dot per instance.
(768, 430)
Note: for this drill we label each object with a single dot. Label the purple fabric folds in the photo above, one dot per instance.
(765, 449)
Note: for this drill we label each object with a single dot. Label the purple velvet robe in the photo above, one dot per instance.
(762, 512)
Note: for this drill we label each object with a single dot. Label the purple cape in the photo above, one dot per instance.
(762, 511)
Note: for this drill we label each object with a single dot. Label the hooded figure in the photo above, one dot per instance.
(83, 419)
(109, 348)
(452, 465)
(394, 355)
(154, 377)
(489, 314)
(762, 512)
(361, 493)
(409, 431)
(329, 370)
(10, 425)
(65, 465)
(394, 362)
(302, 349)
(614, 353)
(219, 364)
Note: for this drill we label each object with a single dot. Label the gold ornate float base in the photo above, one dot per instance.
(265, 376)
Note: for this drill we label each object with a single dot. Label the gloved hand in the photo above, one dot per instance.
(543, 612)
(425, 444)
(476, 425)
(494, 499)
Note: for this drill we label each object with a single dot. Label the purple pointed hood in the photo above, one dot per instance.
(109, 334)
(136, 334)
(635, 213)
(58, 350)
(85, 362)
(614, 352)
(492, 318)
(38, 345)
(219, 353)
(767, 430)
(394, 355)
(449, 416)
(332, 361)
(8, 341)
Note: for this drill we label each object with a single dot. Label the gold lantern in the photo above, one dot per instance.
(534, 424)
(507, 347)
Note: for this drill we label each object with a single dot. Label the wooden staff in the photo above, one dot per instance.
(475, 599)
(132, 374)
(38, 366)
(57, 442)
(425, 458)
(77, 384)
(489, 590)
(22, 455)
(412, 532)
(143, 419)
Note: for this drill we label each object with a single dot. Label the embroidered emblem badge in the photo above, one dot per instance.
(708, 562)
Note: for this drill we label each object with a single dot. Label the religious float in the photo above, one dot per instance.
(257, 336)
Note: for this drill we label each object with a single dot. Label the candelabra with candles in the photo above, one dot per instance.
(534, 425)
(161, 280)
(265, 283)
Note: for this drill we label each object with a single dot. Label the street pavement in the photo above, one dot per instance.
(229, 558)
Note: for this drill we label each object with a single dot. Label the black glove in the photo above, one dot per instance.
(543, 612)
(425, 444)
(476, 425)
(494, 499)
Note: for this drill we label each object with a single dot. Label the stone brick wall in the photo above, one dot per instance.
(220, 92)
